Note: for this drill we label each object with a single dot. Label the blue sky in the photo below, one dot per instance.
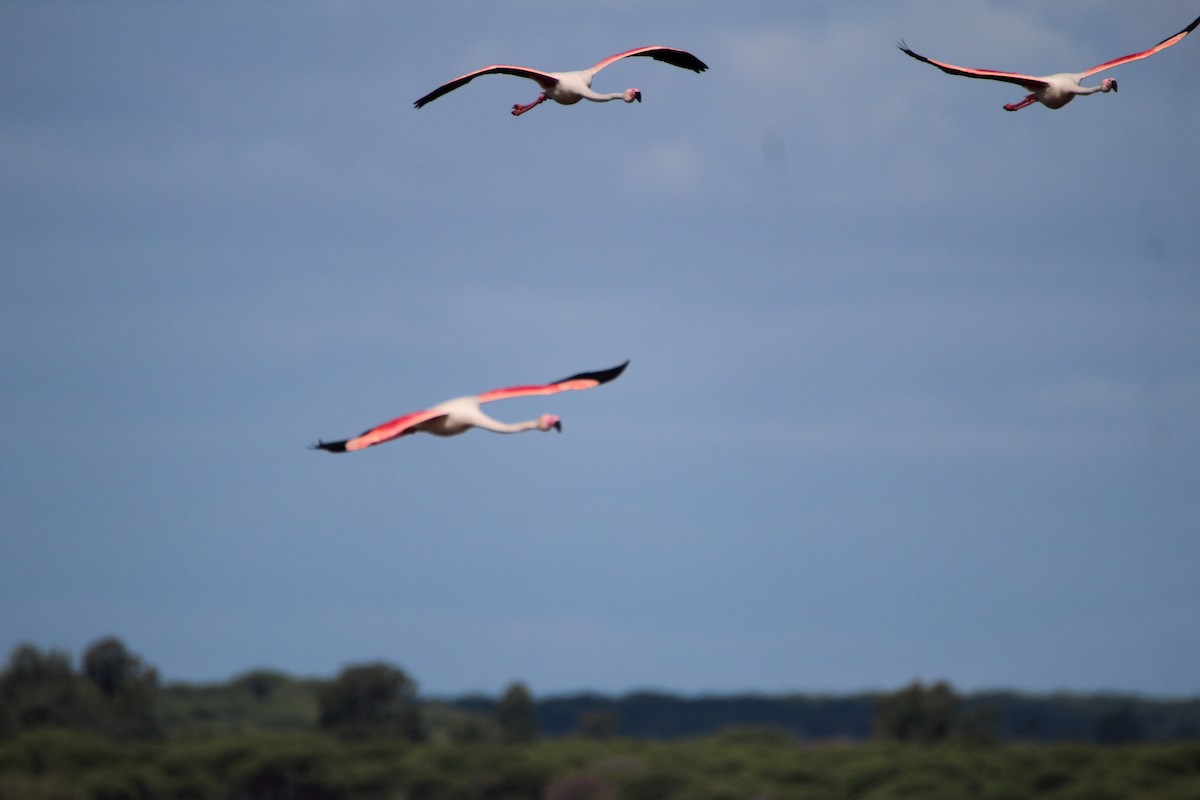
(915, 382)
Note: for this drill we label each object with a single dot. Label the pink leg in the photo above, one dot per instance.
(1018, 106)
(519, 109)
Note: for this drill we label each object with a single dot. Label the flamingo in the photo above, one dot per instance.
(569, 88)
(459, 414)
(1054, 91)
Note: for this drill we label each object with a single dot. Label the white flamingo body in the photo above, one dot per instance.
(571, 87)
(460, 414)
(1054, 91)
(568, 88)
(1060, 89)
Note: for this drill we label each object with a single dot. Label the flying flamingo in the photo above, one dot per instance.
(1054, 91)
(569, 88)
(459, 414)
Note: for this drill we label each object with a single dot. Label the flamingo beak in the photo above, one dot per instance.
(1114, 85)
(638, 96)
(558, 426)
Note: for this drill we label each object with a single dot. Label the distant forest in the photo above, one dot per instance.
(1011, 716)
(107, 728)
(113, 692)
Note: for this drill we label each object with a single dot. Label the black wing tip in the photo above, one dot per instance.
(606, 375)
(615, 372)
(444, 89)
(330, 447)
(677, 58)
(602, 376)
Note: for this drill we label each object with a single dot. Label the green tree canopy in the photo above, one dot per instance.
(40, 689)
(115, 670)
(129, 688)
(262, 683)
(515, 715)
(373, 699)
(114, 694)
(917, 713)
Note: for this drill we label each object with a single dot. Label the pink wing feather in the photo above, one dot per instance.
(381, 433)
(584, 380)
(1028, 81)
(1163, 45)
(544, 79)
(668, 55)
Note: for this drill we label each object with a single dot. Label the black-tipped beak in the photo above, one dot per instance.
(558, 426)
(1114, 86)
(638, 95)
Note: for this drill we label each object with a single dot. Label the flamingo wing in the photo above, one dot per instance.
(1163, 45)
(381, 433)
(544, 79)
(1028, 81)
(584, 380)
(668, 55)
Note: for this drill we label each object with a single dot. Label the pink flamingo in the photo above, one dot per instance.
(459, 414)
(1054, 91)
(569, 88)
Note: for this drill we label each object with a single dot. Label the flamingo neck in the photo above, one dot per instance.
(496, 426)
(1106, 85)
(601, 97)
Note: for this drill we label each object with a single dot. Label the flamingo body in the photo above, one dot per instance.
(460, 414)
(1054, 91)
(568, 88)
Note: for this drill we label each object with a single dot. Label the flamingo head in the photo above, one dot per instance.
(633, 94)
(548, 421)
(1108, 85)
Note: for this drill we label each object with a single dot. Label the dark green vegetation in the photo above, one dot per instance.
(748, 763)
(109, 730)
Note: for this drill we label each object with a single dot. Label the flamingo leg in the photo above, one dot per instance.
(519, 109)
(1018, 106)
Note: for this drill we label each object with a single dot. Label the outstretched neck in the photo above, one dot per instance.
(629, 95)
(1106, 85)
(602, 97)
(543, 423)
(496, 426)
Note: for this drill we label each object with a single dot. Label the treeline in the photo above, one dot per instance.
(736, 765)
(915, 713)
(108, 729)
(113, 693)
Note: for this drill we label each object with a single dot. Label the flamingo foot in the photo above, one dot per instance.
(518, 109)
(1018, 106)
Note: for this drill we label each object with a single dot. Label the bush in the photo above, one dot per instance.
(123, 783)
(286, 767)
(581, 786)
(54, 752)
(23, 788)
